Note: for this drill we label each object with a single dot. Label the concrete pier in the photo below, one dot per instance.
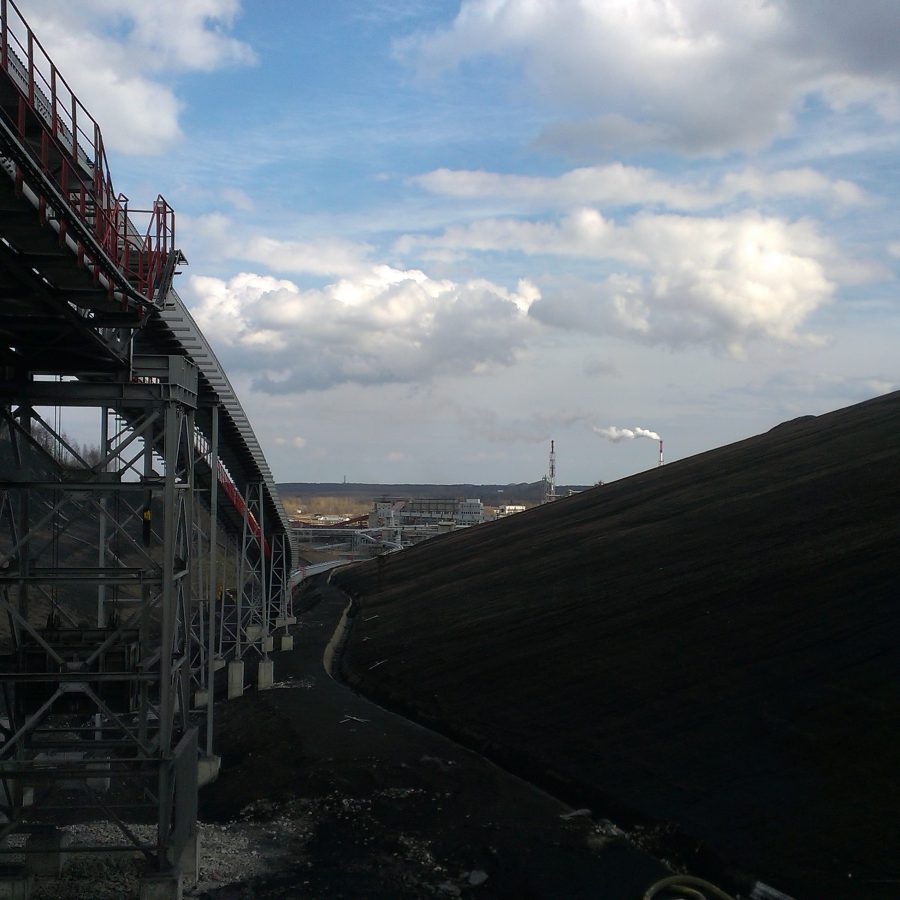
(235, 678)
(201, 698)
(208, 769)
(265, 675)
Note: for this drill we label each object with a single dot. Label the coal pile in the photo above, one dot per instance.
(711, 644)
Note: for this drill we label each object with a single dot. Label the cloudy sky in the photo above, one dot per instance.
(427, 237)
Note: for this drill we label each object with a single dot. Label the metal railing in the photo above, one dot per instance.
(67, 145)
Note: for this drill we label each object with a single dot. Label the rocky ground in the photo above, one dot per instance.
(323, 794)
(364, 803)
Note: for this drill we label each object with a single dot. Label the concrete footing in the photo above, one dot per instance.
(189, 864)
(47, 851)
(285, 642)
(281, 621)
(235, 678)
(102, 783)
(201, 698)
(265, 675)
(218, 663)
(170, 885)
(162, 886)
(268, 644)
(208, 769)
(16, 883)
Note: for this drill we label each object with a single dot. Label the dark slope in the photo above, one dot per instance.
(715, 643)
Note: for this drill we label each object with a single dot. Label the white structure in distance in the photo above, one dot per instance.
(392, 512)
(509, 509)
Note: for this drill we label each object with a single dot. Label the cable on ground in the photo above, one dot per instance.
(686, 887)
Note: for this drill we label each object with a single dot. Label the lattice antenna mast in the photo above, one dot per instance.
(550, 485)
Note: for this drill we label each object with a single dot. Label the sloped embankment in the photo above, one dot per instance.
(713, 643)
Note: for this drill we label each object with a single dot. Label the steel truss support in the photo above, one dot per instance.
(100, 657)
(213, 587)
(281, 604)
(245, 624)
(202, 550)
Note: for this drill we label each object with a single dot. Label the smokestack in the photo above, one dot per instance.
(660, 452)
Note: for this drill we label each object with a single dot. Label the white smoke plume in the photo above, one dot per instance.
(616, 435)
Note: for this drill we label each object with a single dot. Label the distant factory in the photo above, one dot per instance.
(396, 512)
(508, 509)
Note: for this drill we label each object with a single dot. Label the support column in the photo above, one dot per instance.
(252, 600)
(101, 545)
(169, 587)
(280, 600)
(235, 678)
(213, 575)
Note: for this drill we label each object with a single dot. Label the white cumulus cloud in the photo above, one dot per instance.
(384, 326)
(119, 57)
(696, 75)
(617, 184)
(721, 281)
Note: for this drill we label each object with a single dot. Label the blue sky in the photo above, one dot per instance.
(426, 238)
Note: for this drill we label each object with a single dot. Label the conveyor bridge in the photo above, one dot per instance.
(132, 569)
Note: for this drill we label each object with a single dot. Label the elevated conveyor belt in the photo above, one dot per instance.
(172, 329)
(133, 568)
(80, 268)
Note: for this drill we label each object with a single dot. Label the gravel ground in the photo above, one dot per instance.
(230, 854)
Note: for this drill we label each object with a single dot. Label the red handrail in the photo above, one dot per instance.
(82, 172)
(234, 495)
(202, 446)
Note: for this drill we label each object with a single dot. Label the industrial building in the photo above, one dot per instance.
(399, 511)
(508, 509)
